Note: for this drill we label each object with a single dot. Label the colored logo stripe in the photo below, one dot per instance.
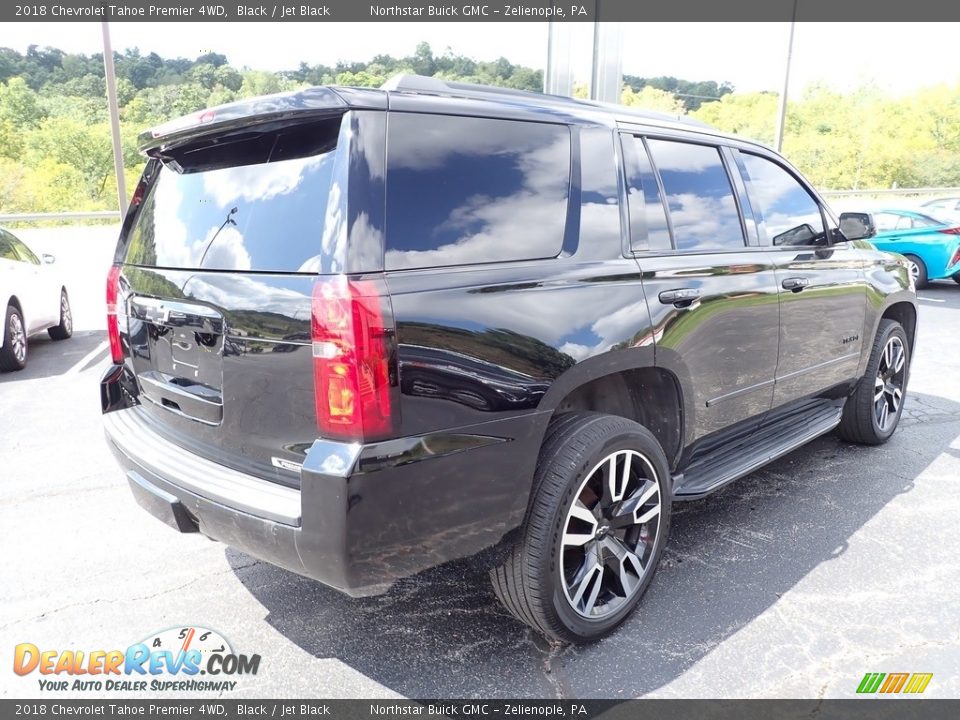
(918, 683)
(914, 683)
(870, 682)
(894, 682)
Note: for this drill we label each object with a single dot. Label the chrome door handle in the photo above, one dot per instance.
(796, 284)
(681, 297)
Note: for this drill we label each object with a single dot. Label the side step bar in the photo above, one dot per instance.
(732, 461)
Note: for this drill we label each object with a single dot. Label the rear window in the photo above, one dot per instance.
(256, 200)
(464, 190)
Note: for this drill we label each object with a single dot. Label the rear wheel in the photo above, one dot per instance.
(595, 530)
(65, 328)
(956, 277)
(918, 270)
(13, 354)
(872, 413)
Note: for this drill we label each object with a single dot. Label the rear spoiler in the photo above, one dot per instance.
(268, 108)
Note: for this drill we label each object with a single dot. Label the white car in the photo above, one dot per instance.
(943, 208)
(33, 300)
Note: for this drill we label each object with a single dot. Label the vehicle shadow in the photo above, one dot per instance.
(730, 557)
(48, 358)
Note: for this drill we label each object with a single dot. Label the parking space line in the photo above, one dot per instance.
(87, 358)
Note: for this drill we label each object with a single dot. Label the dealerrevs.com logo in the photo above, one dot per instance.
(181, 659)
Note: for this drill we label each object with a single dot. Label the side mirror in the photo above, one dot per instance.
(48, 259)
(857, 226)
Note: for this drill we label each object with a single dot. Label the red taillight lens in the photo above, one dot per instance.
(951, 231)
(113, 327)
(351, 359)
(138, 193)
(956, 257)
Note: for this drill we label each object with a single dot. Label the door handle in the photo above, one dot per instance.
(795, 284)
(681, 297)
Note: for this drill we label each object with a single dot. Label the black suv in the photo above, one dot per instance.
(359, 333)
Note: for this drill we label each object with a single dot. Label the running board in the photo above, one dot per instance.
(736, 459)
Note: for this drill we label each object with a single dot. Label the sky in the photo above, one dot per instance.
(898, 57)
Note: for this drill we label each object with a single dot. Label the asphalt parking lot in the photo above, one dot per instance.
(830, 563)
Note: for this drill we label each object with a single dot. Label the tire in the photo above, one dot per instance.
(65, 329)
(13, 354)
(864, 420)
(956, 277)
(920, 271)
(553, 558)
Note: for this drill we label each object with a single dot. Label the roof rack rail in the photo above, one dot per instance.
(423, 83)
(406, 82)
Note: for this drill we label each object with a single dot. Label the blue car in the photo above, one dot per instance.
(932, 246)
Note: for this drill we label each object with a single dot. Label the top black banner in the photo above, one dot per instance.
(853, 11)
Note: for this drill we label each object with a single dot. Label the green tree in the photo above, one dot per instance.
(259, 82)
(72, 143)
(650, 98)
(752, 115)
(19, 104)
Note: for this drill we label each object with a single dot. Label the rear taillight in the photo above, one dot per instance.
(137, 197)
(956, 257)
(950, 231)
(352, 349)
(113, 327)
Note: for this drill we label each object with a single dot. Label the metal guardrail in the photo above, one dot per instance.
(892, 191)
(39, 217)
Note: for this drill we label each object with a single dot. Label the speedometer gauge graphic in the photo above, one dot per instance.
(183, 639)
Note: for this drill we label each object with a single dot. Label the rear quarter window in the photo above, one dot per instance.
(463, 190)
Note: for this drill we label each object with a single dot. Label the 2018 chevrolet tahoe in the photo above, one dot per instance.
(359, 333)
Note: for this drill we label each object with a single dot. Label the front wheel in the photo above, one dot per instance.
(595, 529)
(872, 413)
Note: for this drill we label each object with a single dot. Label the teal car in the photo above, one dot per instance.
(931, 246)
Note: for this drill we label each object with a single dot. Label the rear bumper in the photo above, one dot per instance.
(364, 516)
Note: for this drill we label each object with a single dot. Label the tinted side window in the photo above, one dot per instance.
(23, 251)
(648, 218)
(703, 211)
(6, 248)
(782, 205)
(885, 222)
(464, 190)
(923, 221)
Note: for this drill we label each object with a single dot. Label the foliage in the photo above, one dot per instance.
(55, 145)
(752, 115)
(691, 94)
(651, 98)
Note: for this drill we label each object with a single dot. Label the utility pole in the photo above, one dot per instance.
(607, 71)
(782, 114)
(558, 78)
(111, 78)
(606, 63)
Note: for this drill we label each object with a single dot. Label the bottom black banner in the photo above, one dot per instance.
(872, 708)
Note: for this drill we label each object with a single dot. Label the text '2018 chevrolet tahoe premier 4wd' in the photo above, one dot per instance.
(359, 333)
